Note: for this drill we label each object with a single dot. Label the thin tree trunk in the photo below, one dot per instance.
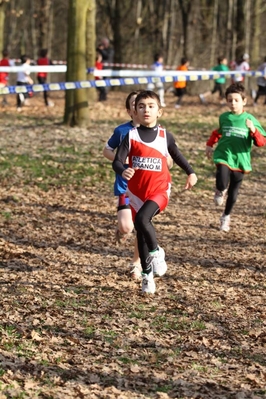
(214, 32)
(255, 47)
(229, 38)
(91, 45)
(137, 29)
(2, 25)
(234, 29)
(240, 28)
(44, 23)
(33, 30)
(247, 25)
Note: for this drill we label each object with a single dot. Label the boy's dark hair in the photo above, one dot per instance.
(147, 94)
(24, 58)
(43, 52)
(236, 88)
(131, 94)
(184, 60)
(5, 53)
(220, 59)
(157, 56)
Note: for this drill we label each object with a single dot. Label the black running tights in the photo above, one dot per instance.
(225, 177)
(146, 235)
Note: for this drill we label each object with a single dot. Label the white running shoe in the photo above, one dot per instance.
(225, 223)
(148, 284)
(202, 99)
(135, 271)
(219, 197)
(159, 265)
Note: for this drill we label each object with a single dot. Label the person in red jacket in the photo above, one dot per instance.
(4, 62)
(42, 76)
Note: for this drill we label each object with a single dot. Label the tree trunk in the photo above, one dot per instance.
(91, 45)
(33, 30)
(247, 25)
(2, 25)
(214, 32)
(76, 104)
(190, 12)
(240, 29)
(44, 23)
(229, 38)
(255, 47)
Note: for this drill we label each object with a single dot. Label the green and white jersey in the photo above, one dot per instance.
(234, 147)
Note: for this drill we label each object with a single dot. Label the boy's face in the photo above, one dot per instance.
(148, 112)
(236, 103)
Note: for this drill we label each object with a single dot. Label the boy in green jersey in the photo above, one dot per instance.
(218, 83)
(237, 131)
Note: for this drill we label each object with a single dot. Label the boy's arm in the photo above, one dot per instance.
(109, 153)
(121, 156)
(112, 143)
(257, 132)
(259, 139)
(214, 138)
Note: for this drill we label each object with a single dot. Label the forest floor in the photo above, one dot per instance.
(73, 324)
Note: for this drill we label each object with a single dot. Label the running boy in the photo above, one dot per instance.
(237, 131)
(124, 216)
(149, 182)
(218, 83)
(180, 85)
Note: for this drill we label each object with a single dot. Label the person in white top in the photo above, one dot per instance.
(23, 78)
(241, 65)
(261, 82)
(158, 67)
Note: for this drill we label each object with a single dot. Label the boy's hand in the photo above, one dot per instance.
(250, 125)
(208, 151)
(128, 173)
(191, 181)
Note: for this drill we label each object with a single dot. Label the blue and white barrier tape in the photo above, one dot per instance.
(36, 88)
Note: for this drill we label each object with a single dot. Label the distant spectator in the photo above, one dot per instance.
(4, 62)
(42, 76)
(180, 86)
(106, 51)
(261, 82)
(23, 79)
(99, 67)
(241, 65)
(158, 67)
(218, 83)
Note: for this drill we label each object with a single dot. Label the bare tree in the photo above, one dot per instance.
(255, 47)
(240, 28)
(2, 24)
(90, 49)
(189, 11)
(214, 32)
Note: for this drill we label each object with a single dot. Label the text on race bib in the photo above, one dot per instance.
(149, 163)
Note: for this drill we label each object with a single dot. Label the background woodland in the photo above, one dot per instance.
(198, 29)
